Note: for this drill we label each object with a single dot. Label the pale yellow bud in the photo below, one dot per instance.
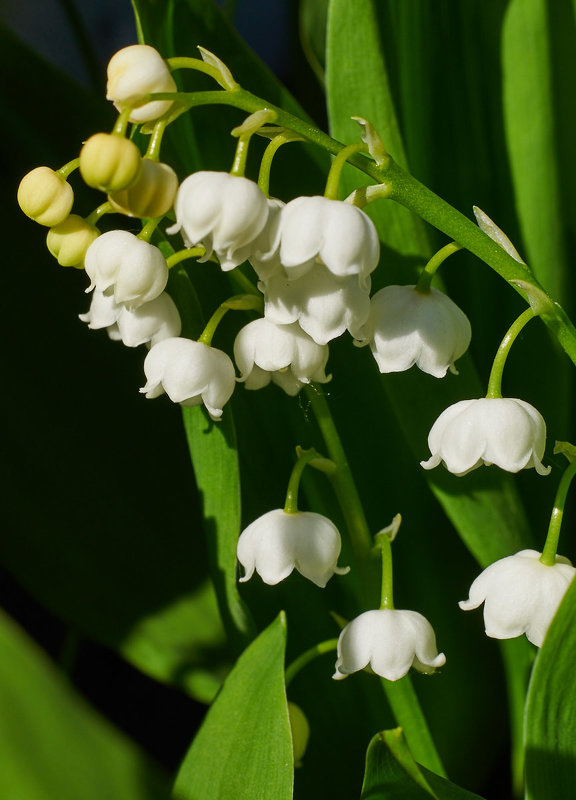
(69, 241)
(152, 195)
(110, 163)
(45, 197)
(300, 732)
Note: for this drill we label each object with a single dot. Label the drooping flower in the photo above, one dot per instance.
(278, 542)
(191, 373)
(491, 430)
(121, 264)
(408, 327)
(520, 595)
(148, 324)
(339, 235)
(390, 642)
(323, 305)
(265, 253)
(283, 354)
(224, 213)
(152, 195)
(139, 69)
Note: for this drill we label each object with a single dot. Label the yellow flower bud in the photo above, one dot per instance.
(69, 241)
(110, 163)
(300, 732)
(45, 197)
(152, 195)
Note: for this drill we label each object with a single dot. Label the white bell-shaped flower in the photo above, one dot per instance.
(389, 642)
(139, 69)
(103, 311)
(503, 431)
(148, 324)
(191, 373)
(121, 264)
(520, 595)
(283, 354)
(339, 235)
(323, 305)
(279, 542)
(224, 213)
(408, 327)
(265, 255)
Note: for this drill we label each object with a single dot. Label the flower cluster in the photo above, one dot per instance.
(311, 262)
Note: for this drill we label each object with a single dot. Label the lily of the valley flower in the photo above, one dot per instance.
(139, 69)
(283, 354)
(408, 327)
(148, 324)
(224, 213)
(278, 542)
(389, 642)
(45, 196)
(265, 254)
(323, 305)
(191, 373)
(339, 235)
(119, 263)
(520, 595)
(503, 431)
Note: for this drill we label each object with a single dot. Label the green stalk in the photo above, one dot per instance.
(551, 546)
(397, 184)
(495, 379)
(401, 695)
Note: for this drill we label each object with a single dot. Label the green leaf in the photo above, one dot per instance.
(53, 744)
(393, 774)
(243, 750)
(550, 729)
(215, 458)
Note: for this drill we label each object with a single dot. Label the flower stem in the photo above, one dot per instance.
(267, 158)
(182, 255)
(548, 556)
(148, 229)
(386, 595)
(495, 379)
(121, 124)
(304, 457)
(105, 208)
(240, 156)
(210, 329)
(344, 485)
(153, 151)
(308, 656)
(333, 180)
(425, 279)
(68, 168)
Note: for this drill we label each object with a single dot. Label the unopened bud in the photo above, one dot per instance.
(45, 197)
(300, 732)
(110, 163)
(69, 241)
(136, 70)
(152, 195)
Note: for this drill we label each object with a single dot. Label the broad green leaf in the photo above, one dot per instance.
(529, 125)
(550, 727)
(52, 744)
(215, 458)
(393, 774)
(312, 23)
(243, 750)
